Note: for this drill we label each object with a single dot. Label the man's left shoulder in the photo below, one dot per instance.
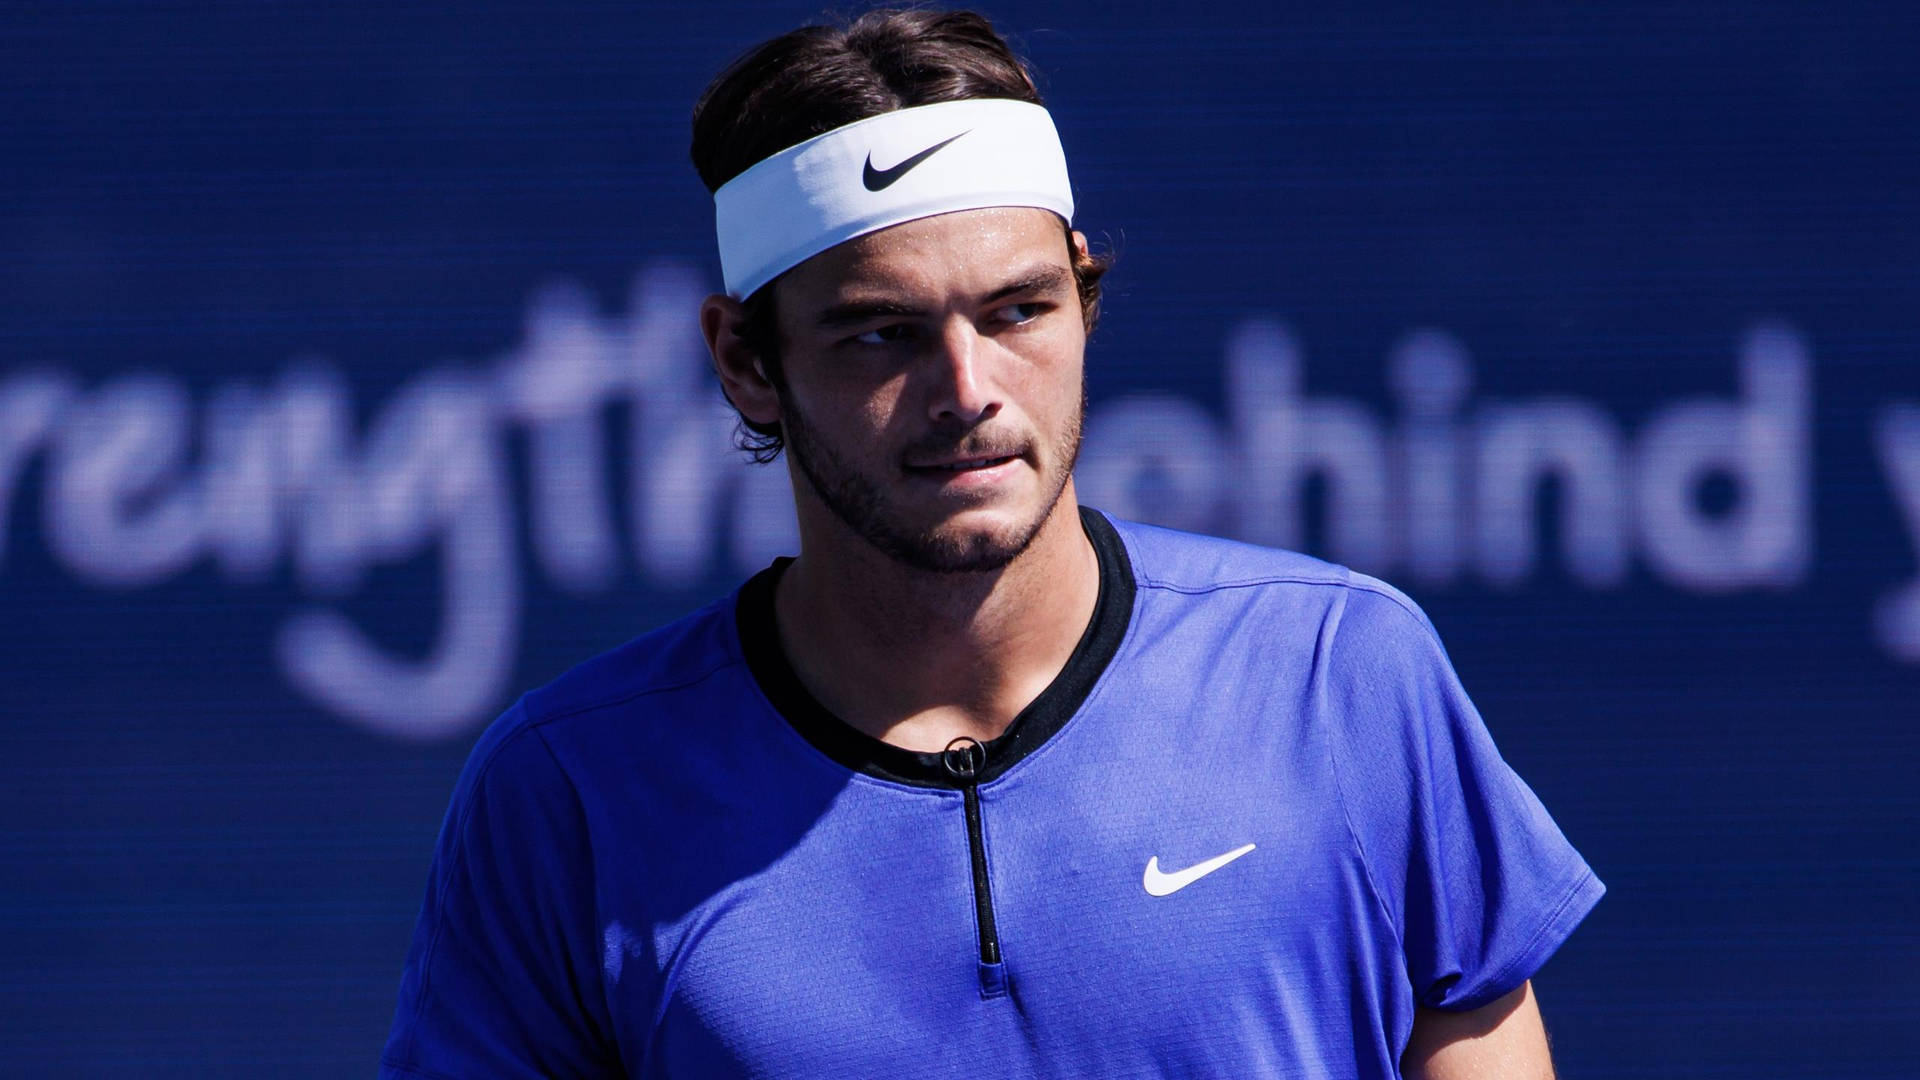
(1166, 558)
(1359, 619)
(1187, 562)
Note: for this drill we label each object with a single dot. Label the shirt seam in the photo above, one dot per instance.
(1283, 579)
(622, 699)
(1339, 785)
(411, 1070)
(456, 863)
(600, 954)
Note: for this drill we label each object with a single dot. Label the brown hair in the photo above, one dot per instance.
(818, 78)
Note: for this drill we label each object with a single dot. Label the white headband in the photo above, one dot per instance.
(870, 174)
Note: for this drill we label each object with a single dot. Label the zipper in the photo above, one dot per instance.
(963, 759)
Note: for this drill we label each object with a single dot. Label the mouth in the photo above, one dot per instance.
(963, 464)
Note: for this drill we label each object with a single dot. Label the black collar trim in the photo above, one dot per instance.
(1046, 714)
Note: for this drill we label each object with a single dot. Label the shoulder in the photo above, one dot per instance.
(1349, 632)
(682, 654)
(604, 702)
(1190, 564)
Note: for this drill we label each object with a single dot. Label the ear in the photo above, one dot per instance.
(1089, 313)
(742, 377)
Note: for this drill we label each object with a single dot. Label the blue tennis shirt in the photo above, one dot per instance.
(1252, 823)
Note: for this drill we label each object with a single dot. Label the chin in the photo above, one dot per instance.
(974, 553)
(959, 546)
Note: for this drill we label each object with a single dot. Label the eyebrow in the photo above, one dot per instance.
(859, 311)
(1040, 280)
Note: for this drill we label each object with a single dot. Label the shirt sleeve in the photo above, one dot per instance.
(1478, 881)
(503, 976)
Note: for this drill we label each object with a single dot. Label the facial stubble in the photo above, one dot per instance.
(861, 502)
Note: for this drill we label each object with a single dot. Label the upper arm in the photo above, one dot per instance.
(1479, 883)
(1501, 1040)
(503, 978)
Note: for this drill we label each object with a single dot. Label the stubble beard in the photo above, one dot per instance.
(861, 502)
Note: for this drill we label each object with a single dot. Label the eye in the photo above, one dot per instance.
(885, 335)
(1015, 314)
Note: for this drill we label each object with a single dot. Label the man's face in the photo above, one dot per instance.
(933, 383)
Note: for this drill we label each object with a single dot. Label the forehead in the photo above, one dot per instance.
(954, 253)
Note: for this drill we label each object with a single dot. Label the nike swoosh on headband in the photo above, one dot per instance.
(881, 179)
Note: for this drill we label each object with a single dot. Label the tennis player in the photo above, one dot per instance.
(983, 783)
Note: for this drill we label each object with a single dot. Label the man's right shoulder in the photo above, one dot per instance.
(678, 656)
(637, 724)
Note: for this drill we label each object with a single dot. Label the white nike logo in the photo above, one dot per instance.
(1163, 884)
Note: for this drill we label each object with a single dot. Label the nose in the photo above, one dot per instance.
(963, 391)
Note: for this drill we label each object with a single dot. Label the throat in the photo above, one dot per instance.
(916, 660)
(849, 713)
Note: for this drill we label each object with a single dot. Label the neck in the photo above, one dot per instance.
(917, 658)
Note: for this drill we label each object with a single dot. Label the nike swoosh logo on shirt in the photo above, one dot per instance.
(1159, 883)
(881, 179)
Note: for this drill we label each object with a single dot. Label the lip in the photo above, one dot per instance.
(968, 464)
(966, 472)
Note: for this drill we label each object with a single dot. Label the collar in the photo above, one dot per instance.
(1046, 714)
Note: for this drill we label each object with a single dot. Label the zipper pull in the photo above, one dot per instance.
(962, 759)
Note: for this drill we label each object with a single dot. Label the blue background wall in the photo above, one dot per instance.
(345, 390)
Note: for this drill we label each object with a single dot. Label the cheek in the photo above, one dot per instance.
(1055, 382)
(850, 410)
